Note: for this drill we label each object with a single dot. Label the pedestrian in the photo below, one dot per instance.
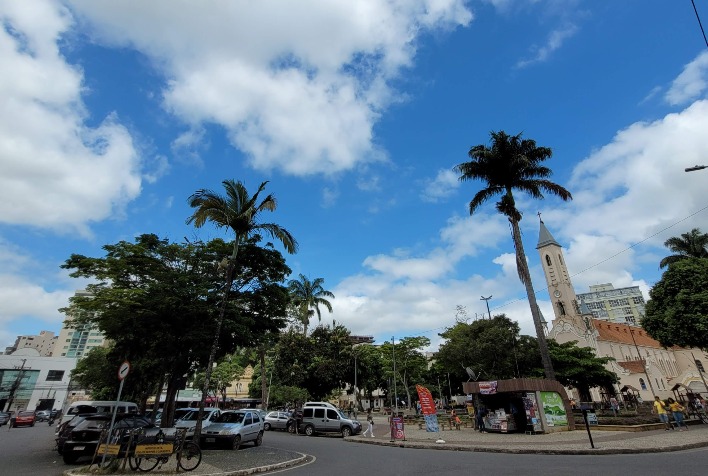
(660, 409)
(370, 421)
(677, 410)
(481, 412)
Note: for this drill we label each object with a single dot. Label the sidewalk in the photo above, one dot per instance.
(566, 442)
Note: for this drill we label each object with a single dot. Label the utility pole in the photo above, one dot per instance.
(646, 374)
(486, 300)
(395, 388)
(15, 385)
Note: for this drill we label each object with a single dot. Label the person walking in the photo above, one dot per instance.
(677, 410)
(660, 409)
(370, 421)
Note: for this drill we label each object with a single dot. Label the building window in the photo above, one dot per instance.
(55, 375)
(560, 259)
(548, 260)
(642, 384)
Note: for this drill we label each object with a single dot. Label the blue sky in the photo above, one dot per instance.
(113, 113)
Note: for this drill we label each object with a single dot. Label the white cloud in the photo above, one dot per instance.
(555, 40)
(691, 83)
(56, 172)
(260, 69)
(445, 183)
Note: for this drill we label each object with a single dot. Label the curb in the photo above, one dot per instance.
(541, 451)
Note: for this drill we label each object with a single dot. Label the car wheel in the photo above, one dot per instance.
(259, 439)
(346, 431)
(236, 442)
(291, 428)
(309, 430)
(266, 427)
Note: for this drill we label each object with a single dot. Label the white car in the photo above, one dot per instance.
(234, 428)
(189, 421)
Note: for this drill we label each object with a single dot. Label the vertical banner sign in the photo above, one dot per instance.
(553, 409)
(427, 407)
(397, 430)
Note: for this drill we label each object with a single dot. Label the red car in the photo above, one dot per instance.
(24, 419)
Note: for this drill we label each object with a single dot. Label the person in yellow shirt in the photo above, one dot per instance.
(677, 410)
(660, 409)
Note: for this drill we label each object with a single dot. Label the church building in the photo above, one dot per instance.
(644, 367)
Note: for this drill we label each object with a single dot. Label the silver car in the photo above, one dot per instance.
(189, 421)
(276, 421)
(234, 428)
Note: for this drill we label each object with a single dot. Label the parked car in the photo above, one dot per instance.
(84, 438)
(189, 421)
(42, 415)
(233, 428)
(4, 418)
(24, 419)
(64, 430)
(316, 419)
(276, 421)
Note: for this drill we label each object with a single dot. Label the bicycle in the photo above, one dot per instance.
(188, 453)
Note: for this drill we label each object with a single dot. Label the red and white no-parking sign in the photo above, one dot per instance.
(123, 370)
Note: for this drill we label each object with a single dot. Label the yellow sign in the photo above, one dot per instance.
(147, 450)
(109, 450)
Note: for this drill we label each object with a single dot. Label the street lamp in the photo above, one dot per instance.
(486, 300)
(696, 167)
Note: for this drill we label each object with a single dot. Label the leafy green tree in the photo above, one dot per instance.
(581, 368)
(410, 363)
(95, 373)
(513, 163)
(307, 297)
(677, 311)
(693, 244)
(226, 371)
(366, 361)
(239, 212)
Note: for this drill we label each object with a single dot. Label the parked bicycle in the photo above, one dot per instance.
(152, 451)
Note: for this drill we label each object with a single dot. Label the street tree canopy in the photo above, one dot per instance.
(677, 311)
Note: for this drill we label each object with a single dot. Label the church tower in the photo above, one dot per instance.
(560, 289)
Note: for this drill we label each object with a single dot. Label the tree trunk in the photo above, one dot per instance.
(525, 276)
(214, 347)
(264, 384)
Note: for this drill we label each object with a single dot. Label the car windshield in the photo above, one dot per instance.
(93, 424)
(82, 409)
(341, 415)
(194, 416)
(25, 414)
(230, 418)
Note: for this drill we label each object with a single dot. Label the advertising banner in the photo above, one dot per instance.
(553, 409)
(427, 407)
(488, 388)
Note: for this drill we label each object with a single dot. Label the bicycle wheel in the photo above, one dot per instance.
(190, 456)
(143, 463)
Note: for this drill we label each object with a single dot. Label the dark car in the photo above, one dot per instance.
(84, 438)
(4, 418)
(64, 430)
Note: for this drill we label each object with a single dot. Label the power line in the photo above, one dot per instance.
(699, 22)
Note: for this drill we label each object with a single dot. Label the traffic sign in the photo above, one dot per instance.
(123, 370)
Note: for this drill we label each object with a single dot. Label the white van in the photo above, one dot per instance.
(97, 406)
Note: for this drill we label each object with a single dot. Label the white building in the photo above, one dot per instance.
(77, 341)
(623, 305)
(30, 381)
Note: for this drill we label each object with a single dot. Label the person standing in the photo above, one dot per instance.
(660, 409)
(677, 410)
(481, 413)
(370, 421)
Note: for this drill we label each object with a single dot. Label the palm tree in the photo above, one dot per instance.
(513, 163)
(307, 296)
(240, 212)
(690, 245)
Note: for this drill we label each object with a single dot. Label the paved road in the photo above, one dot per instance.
(29, 451)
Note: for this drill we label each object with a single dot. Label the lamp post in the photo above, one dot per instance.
(696, 167)
(646, 374)
(486, 300)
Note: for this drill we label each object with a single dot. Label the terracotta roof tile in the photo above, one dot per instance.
(614, 332)
(634, 366)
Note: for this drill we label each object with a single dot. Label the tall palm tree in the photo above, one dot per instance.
(240, 213)
(513, 163)
(307, 296)
(693, 244)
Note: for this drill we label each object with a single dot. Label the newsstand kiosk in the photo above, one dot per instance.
(522, 405)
